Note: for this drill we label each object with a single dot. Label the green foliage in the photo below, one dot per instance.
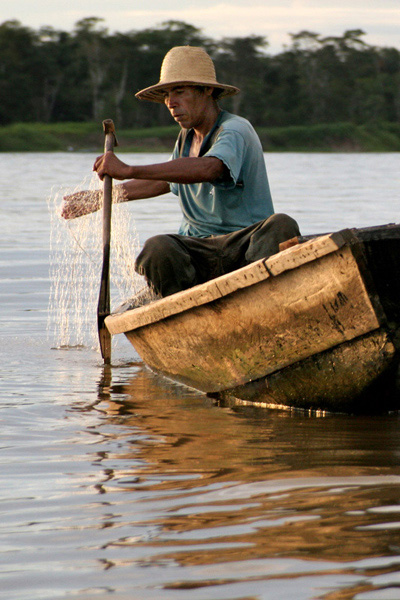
(50, 76)
(378, 137)
(25, 137)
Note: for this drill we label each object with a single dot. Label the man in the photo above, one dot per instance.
(217, 171)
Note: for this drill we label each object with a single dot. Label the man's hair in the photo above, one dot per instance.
(215, 93)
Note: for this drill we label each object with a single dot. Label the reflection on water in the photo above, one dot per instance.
(248, 501)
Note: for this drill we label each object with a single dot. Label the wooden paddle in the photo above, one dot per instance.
(103, 308)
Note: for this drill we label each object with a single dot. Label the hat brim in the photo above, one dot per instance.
(156, 93)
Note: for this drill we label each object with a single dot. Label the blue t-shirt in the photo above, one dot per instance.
(242, 197)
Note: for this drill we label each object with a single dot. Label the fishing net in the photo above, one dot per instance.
(76, 255)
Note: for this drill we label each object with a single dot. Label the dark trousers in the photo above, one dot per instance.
(171, 263)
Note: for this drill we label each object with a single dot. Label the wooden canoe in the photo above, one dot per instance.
(316, 326)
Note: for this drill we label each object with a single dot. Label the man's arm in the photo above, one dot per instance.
(179, 170)
(140, 189)
(86, 202)
(146, 181)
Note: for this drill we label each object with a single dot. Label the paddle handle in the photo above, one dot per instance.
(103, 309)
(110, 141)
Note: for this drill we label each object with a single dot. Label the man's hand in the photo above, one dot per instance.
(109, 164)
(81, 203)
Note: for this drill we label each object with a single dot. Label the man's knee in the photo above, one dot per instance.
(154, 248)
(285, 224)
(266, 239)
(166, 265)
(156, 244)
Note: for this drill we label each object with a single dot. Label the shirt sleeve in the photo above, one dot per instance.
(229, 146)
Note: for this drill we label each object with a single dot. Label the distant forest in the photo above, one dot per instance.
(88, 74)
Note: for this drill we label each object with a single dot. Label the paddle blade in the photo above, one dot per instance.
(105, 340)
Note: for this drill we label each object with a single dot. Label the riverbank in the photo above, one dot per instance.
(81, 137)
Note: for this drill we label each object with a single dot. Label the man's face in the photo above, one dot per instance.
(187, 104)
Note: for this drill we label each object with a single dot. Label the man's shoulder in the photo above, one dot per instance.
(231, 122)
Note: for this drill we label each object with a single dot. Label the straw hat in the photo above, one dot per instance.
(188, 65)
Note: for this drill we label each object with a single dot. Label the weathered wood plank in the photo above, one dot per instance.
(226, 284)
(342, 378)
(188, 299)
(304, 253)
(263, 327)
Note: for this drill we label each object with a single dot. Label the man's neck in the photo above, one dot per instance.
(202, 131)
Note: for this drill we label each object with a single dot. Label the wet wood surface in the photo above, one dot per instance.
(293, 313)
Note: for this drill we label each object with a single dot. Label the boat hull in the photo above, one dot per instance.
(305, 328)
(357, 376)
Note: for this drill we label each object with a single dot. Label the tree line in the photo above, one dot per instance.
(89, 74)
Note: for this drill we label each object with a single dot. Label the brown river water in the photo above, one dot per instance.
(116, 483)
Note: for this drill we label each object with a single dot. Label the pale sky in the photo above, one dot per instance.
(274, 19)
